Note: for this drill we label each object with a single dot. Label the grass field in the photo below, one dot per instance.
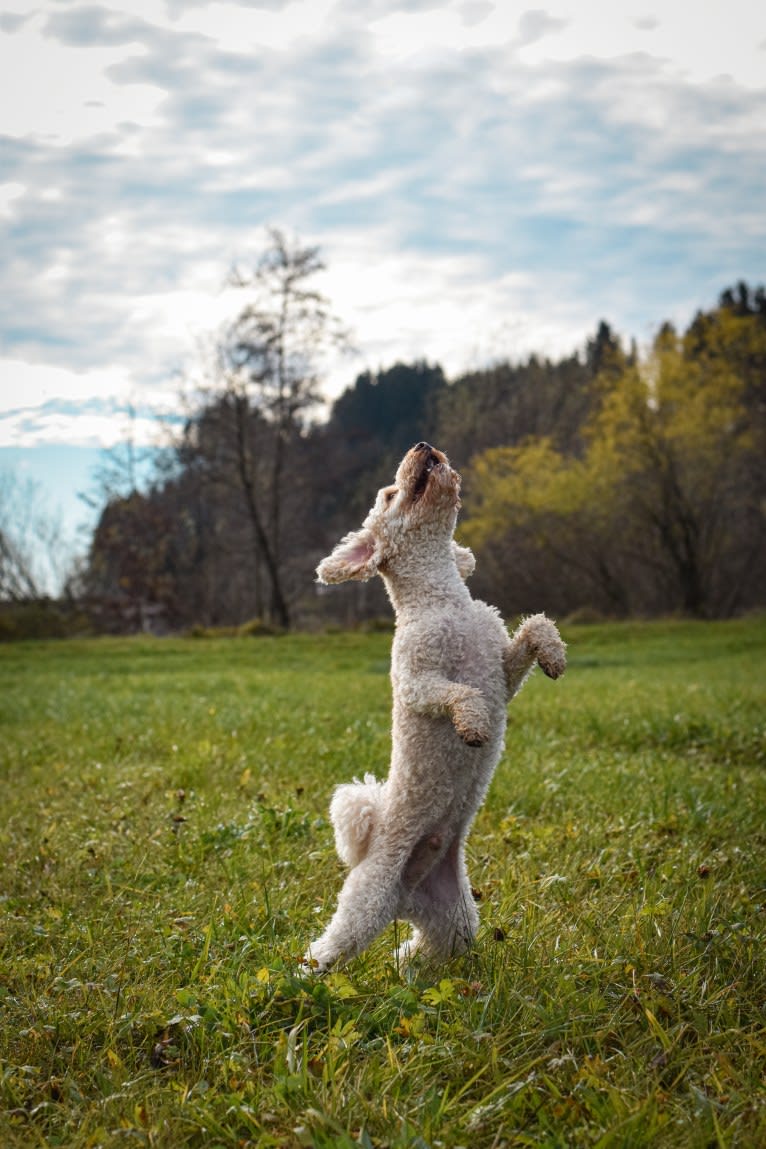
(166, 857)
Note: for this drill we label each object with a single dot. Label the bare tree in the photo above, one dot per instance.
(32, 551)
(126, 467)
(268, 366)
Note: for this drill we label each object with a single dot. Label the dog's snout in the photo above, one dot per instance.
(422, 447)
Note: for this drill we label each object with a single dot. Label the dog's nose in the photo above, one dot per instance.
(422, 447)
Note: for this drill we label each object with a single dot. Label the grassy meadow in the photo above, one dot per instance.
(165, 857)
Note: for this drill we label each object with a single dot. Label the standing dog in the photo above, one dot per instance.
(453, 669)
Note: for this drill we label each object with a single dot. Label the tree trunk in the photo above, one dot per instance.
(280, 613)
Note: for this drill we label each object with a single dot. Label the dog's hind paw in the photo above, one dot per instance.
(320, 957)
(407, 952)
(313, 965)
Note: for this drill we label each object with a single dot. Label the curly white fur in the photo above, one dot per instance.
(353, 812)
(453, 669)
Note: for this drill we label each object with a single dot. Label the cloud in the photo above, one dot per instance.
(722, 40)
(76, 69)
(89, 423)
(535, 24)
(93, 25)
(481, 183)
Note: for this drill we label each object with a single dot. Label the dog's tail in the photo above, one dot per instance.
(354, 811)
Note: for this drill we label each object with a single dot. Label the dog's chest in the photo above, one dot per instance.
(449, 644)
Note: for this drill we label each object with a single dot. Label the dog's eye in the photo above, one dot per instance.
(389, 496)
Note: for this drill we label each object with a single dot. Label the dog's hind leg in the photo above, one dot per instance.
(423, 859)
(366, 905)
(442, 908)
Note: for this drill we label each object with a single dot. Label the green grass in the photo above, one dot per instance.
(166, 857)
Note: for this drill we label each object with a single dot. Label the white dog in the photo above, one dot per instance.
(453, 671)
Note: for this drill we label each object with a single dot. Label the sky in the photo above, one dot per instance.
(483, 179)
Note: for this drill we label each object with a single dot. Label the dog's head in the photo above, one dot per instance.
(409, 522)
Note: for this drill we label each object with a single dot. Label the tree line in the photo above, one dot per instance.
(608, 483)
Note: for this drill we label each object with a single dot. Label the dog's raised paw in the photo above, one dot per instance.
(547, 645)
(554, 668)
(471, 718)
(474, 738)
(553, 662)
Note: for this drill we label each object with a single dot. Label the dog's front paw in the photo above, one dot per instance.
(547, 644)
(552, 657)
(553, 667)
(471, 719)
(471, 737)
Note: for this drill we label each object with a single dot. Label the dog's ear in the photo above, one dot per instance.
(355, 557)
(464, 557)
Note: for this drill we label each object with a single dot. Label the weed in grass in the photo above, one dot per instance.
(165, 856)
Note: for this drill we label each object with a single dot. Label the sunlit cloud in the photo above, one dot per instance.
(694, 46)
(41, 404)
(482, 180)
(87, 102)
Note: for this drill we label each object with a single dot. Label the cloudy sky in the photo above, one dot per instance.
(484, 179)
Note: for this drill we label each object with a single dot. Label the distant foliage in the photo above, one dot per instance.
(663, 508)
(370, 426)
(41, 618)
(607, 483)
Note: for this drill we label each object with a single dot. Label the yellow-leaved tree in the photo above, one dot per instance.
(662, 510)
